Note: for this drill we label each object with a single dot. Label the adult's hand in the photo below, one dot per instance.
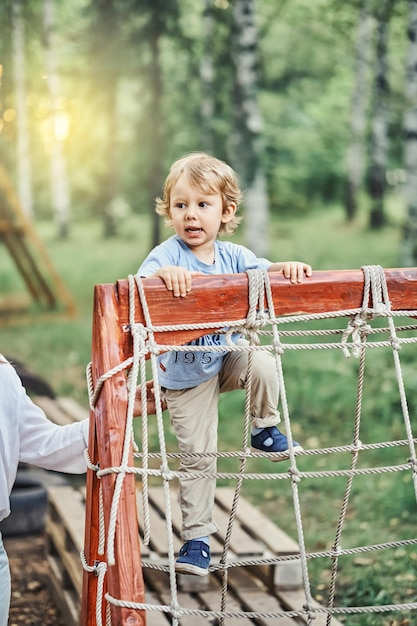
(150, 400)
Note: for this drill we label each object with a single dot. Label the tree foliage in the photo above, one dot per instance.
(133, 95)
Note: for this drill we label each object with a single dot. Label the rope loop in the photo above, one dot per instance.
(98, 568)
(375, 291)
(93, 393)
(375, 303)
(260, 301)
(90, 464)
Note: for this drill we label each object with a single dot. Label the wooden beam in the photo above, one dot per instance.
(221, 298)
(26, 249)
(7, 227)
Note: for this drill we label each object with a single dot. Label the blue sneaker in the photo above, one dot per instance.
(279, 443)
(194, 558)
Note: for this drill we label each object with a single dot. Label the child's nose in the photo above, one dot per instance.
(190, 212)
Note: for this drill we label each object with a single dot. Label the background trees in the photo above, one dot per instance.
(410, 140)
(306, 100)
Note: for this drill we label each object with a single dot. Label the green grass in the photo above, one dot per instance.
(59, 349)
(321, 390)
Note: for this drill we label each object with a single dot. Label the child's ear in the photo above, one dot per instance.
(228, 212)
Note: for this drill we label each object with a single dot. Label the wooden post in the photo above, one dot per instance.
(213, 300)
(124, 580)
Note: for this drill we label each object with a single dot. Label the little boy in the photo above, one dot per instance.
(200, 200)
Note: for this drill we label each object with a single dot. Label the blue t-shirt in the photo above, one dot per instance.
(182, 370)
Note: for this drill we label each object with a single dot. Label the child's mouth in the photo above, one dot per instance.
(193, 231)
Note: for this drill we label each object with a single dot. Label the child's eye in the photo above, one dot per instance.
(202, 204)
(180, 205)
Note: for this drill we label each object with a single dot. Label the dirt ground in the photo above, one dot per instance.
(31, 602)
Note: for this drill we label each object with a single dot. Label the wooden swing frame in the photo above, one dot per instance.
(213, 299)
(30, 257)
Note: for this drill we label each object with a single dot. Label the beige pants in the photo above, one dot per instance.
(194, 416)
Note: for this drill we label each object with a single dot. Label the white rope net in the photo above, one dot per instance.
(371, 327)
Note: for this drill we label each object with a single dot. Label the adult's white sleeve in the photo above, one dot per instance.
(48, 445)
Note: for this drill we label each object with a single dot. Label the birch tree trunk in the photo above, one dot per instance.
(379, 151)
(108, 59)
(207, 78)
(355, 159)
(24, 170)
(247, 145)
(60, 195)
(156, 20)
(155, 116)
(409, 247)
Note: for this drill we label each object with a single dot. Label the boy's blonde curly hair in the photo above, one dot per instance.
(209, 174)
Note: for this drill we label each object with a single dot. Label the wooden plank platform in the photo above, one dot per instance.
(255, 589)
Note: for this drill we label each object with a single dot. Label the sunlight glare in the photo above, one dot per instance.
(61, 126)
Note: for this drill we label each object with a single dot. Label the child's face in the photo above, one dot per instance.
(197, 215)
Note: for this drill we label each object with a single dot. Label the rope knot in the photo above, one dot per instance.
(153, 347)
(139, 329)
(252, 335)
(278, 347)
(336, 552)
(357, 329)
(381, 309)
(246, 453)
(295, 475)
(395, 343)
(166, 473)
(176, 610)
(413, 464)
(311, 613)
